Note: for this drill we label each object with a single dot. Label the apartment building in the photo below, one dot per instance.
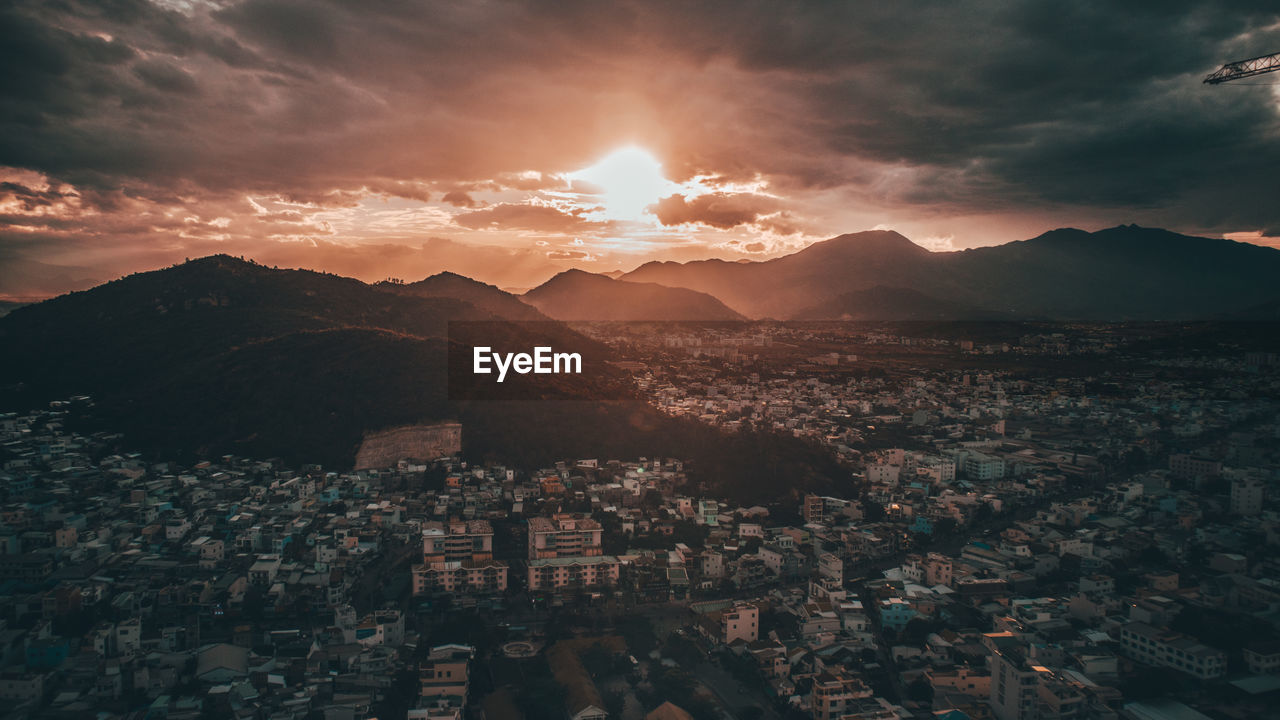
(1153, 646)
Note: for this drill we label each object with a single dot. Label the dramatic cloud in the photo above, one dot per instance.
(136, 131)
(718, 210)
(458, 198)
(542, 218)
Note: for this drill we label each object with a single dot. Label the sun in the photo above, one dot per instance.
(630, 179)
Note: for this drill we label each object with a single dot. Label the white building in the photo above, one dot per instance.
(1153, 646)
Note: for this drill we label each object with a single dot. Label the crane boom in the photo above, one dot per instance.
(1245, 68)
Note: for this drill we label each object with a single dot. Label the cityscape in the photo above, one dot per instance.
(1089, 533)
(639, 360)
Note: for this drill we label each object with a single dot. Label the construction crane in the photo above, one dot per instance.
(1245, 68)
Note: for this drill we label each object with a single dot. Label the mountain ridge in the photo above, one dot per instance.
(1122, 273)
(483, 295)
(579, 295)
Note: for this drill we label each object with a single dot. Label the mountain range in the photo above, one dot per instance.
(224, 355)
(1122, 273)
(219, 355)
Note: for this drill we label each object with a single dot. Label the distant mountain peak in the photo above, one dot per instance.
(450, 284)
(575, 272)
(1120, 273)
(448, 278)
(451, 275)
(1130, 232)
(577, 275)
(869, 241)
(580, 295)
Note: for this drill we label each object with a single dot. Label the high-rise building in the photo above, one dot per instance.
(1014, 685)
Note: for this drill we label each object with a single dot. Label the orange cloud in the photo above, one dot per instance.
(718, 210)
(525, 216)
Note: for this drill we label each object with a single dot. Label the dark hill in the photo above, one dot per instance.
(578, 295)
(889, 303)
(223, 356)
(126, 335)
(460, 287)
(219, 354)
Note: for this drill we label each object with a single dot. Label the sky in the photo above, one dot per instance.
(509, 140)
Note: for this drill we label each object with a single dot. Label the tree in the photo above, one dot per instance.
(682, 650)
(541, 698)
(614, 702)
(920, 690)
(598, 661)
(638, 633)
(673, 684)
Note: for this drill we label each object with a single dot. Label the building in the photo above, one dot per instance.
(445, 677)
(1153, 646)
(1246, 496)
(1190, 467)
(836, 695)
(814, 508)
(565, 554)
(465, 577)
(20, 688)
(457, 540)
(264, 570)
(979, 466)
(457, 558)
(708, 512)
(961, 679)
(1263, 658)
(564, 535)
(741, 622)
(30, 566)
(1015, 686)
(569, 573)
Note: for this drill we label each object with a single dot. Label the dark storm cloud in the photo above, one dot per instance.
(1089, 104)
(166, 77)
(30, 198)
(980, 107)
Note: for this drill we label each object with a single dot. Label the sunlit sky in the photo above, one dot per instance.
(509, 140)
